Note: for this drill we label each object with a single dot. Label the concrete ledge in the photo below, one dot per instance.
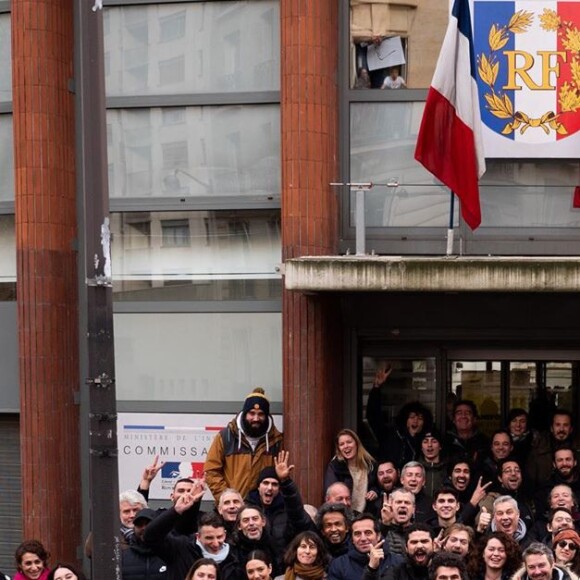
(432, 274)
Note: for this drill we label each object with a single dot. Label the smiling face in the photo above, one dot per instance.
(564, 462)
(561, 427)
(446, 506)
(413, 479)
(460, 476)
(212, 539)
(364, 536)
(560, 520)
(31, 566)
(251, 524)
(306, 552)
(347, 447)
(64, 573)
(538, 567)
(501, 446)
(229, 505)
(561, 496)
(431, 449)
(258, 570)
(510, 476)
(334, 527)
(339, 493)
(518, 425)
(464, 419)
(128, 511)
(564, 551)
(387, 476)
(255, 422)
(506, 517)
(494, 554)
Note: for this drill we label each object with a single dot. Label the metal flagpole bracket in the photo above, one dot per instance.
(359, 224)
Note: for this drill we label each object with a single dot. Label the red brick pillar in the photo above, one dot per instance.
(311, 324)
(44, 160)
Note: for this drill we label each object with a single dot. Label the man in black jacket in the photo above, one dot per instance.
(138, 561)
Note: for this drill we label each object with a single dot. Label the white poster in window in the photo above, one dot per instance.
(180, 440)
(386, 54)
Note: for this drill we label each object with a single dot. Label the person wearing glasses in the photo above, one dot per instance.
(566, 547)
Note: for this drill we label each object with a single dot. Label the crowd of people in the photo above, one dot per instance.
(452, 505)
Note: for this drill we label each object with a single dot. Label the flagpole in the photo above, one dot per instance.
(450, 232)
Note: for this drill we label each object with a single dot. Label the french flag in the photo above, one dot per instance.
(449, 144)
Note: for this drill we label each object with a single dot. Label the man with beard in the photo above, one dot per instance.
(333, 523)
(564, 472)
(280, 500)
(540, 459)
(387, 480)
(396, 517)
(246, 446)
(419, 551)
(539, 564)
(561, 496)
(413, 480)
(366, 550)
(456, 539)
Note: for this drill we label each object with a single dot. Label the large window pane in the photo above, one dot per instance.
(383, 138)
(391, 34)
(514, 194)
(7, 258)
(200, 47)
(6, 158)
(197, 255)
(5, 59)
(194, 151)
(197, 357)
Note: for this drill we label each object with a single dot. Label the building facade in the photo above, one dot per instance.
(226, 123)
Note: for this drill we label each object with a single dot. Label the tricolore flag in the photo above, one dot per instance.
(449, 143)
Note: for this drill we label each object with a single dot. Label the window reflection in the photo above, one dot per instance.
(5, 56)
(205, 47)
(395, 34)
(6, 159)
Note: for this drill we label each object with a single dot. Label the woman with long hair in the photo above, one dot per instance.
(204, 569)
(306, 558)
(66, 572)
(31, 561)
(354, 466)
(566, 546)
(496, 557)
(258, 566)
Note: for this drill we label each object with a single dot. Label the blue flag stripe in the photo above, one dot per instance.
(461, 12)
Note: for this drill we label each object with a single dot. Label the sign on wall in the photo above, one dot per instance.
(180, 440)
(528, 72)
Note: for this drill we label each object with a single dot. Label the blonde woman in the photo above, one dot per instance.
(354, 466)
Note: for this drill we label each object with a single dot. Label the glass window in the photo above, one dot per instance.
(158, 249)
(5, 53)
(202, 155)
(395, 44)
(513, 194)
(206, 47)
(7, 258)
(206, 357)
(6, 158)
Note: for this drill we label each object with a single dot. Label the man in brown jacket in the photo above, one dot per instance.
(242, 449)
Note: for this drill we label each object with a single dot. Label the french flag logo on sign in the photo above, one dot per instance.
(528, 73)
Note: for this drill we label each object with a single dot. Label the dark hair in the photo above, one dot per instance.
(182, 479)
(447, 560)
(203, 562)
(554, 511)
(322, 557)
(414, 407)
(501, 431)
(76, 571)
(418, 527)
(34, 547)
(333, 508)
(367, 516)
(211, 519)
(563, 447)
(451, 465)
(517, 412)
(562, 412)
(259, 555)
(509, 459)
(513, 561)
(466, 403)
(446, 489)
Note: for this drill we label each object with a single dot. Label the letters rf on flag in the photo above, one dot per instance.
(449, 144)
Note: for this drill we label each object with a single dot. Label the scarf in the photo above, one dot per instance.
(43, 576)
(306, 572)
(217, 558)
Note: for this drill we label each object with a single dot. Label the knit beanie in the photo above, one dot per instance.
(567, 535)
(256, 400)
(268, 473)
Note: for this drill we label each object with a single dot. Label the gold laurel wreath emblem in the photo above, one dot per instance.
(499, 104)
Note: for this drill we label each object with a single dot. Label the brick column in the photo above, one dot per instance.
(311, 324)
(44, 150)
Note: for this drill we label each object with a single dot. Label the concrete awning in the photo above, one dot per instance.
(432, 274)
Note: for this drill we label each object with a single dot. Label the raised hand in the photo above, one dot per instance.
(376, 555)
(439, 542)
(198, 488)
(151, 472)
(387, 510)
(184, 502)
(479, 492)
(484, 520)
(382, 375)
(283, 470)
